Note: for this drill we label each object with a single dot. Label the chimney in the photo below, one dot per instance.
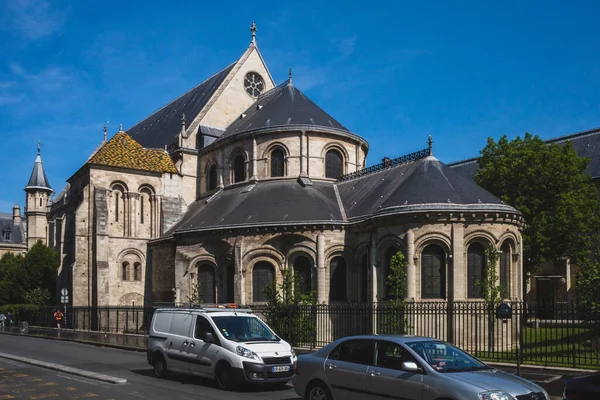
(17, 214)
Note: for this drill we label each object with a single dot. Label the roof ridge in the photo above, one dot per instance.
(574, 135)
(185, 93)
(414, 156)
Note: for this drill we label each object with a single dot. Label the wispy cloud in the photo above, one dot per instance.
(346, 45)
(34, 19)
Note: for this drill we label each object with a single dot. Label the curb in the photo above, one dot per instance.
(64, 368)
(88, 342)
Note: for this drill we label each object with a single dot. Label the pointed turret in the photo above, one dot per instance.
(37, 203)
(38, 179)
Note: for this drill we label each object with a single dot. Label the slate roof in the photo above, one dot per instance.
(283, 106)
(38, 178)
(160, 129)
(586, 143)
(16, 231)
(124, 152)
(420, 185)
(271, 202)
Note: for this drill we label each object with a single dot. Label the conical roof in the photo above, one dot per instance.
(38, 179)
(284, 106)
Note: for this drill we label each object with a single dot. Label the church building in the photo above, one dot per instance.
(216, 194)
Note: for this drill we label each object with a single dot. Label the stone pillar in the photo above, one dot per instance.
(303, 161)
(135, 198)
(459, 271)
(239, 292)
(222, 170)
(307, 155)
(322, 289)
(411, 273)
(254, 158)
(373, 270)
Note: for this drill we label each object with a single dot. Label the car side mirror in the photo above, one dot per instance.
(209, 338)
(410, 366)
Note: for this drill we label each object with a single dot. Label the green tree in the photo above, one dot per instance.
(491, 291)
(11, 279)
(38, 296)
(394, 312)
(289, 309)
(548, 184)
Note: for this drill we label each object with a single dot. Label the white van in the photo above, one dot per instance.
(226, 344)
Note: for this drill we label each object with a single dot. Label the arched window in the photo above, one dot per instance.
(433, 273)
(206, 284)
(505, 269)
(211, 178)
(387, 260)
(302, 271)
(229, 285)
(125, 271)
(137, 271)
(119, 200)
(6, 234)
(239, 169)
(333, 164)
(337, 283)
(475, 270)
(262, 276)
(277, 162)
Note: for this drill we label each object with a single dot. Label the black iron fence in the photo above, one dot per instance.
(557, 334)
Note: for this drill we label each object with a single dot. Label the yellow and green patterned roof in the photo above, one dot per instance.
(124, 152)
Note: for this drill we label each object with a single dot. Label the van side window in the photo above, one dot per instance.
(181, 324)
(202, 328)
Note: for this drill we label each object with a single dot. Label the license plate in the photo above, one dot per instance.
(284, 368)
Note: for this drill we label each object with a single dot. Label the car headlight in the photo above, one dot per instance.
(244, 352)
(293, 352)
(495, 395)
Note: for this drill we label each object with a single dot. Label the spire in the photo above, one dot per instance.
(105, 129)
(290, 75)
(38, 179)
(253, 31)
(120, 127)
(430, 144)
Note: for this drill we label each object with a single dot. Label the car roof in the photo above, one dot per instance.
(396, 338)
(222, 312)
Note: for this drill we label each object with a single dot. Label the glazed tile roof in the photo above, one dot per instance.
(124, 152)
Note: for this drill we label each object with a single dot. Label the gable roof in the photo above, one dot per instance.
(38, 179)
(124, 152)
(283, 106)
(161, 128)
(7, 225)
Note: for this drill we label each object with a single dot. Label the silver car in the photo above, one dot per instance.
(404, 367)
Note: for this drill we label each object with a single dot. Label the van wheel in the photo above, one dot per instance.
(317, 391)
(223, 376)
(160, 366)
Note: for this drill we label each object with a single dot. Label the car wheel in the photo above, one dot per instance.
(318, 391)
(223, 376)
(160, 366)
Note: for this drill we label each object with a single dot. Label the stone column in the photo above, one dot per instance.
(303, 162)
(411, 273)
(322, 290)
(126, 216)
(254, 158)
(239, 292)
(373, 269)
(135, 197)
(459, 271)
(307, 155)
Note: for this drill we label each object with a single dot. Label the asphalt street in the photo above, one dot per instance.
(130, 365)
(141, 383)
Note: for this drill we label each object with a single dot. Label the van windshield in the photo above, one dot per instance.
(244, 329)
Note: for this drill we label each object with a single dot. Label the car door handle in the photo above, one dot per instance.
(331, 366)
(185, 342)
(374, 373)
(192, 344)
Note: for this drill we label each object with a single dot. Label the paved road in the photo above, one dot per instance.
(132, 366)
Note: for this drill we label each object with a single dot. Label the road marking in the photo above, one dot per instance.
(20, 375)
(47, 384)
(70, 388)
(90, 395)
(44, 396)
(6, 397)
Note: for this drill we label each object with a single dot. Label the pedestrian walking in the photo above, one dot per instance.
(2, 319)
(9, 320)
(58, 316)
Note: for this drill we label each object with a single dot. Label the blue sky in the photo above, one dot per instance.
(392, 72)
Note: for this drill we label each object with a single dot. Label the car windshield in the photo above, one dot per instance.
(444, 357)
(244, 329)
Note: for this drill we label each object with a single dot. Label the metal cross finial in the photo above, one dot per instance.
(253, 30)
(430, 143)
(39, 146)
(120, 127)
(290, 74)
(105, 129)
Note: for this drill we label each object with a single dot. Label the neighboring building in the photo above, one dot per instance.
(238, 179)
(12, 232)
(555, 282)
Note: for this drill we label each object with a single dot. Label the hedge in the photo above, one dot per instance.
(21, 312)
